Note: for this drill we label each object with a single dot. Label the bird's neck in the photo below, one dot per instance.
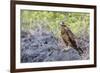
(63, 30)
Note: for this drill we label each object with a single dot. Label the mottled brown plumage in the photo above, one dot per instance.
(69, 38)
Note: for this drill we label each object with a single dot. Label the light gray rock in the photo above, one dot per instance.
(44, 48)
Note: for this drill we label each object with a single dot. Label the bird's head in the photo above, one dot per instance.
(62, 24)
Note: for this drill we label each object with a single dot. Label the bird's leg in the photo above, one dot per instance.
(68, 47)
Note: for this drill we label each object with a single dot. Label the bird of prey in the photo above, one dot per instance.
(69, 38)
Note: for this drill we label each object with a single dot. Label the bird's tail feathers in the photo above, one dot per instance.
(80, 51)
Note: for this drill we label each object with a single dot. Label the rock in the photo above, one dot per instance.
(44, 48)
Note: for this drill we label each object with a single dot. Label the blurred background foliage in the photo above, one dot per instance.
(77, 22)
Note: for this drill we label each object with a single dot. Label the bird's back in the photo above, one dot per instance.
(69, 38)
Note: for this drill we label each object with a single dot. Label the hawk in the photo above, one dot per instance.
(69, 38)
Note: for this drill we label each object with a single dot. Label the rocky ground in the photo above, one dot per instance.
(44, 46)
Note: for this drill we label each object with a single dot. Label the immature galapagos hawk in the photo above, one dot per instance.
(69, 38)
